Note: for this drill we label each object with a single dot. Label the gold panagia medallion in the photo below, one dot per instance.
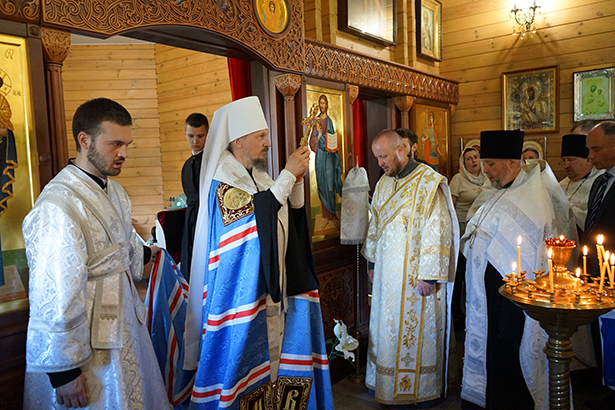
(235, 199)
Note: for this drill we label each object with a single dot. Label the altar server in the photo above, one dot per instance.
(87, 324)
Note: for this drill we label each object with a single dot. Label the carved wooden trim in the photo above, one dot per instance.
(56, 44)
(230, 19)
(353, 93)
(338, 297)
(288, 84)
(335, 63)
(26, 11)
(404, 103)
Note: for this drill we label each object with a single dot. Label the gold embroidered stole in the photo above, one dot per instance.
(416, 192)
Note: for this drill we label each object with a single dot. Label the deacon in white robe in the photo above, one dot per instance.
(412, 244)
(580, 175)
(504, 366)
(87, 342)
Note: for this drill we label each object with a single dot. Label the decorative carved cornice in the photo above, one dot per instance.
(404, 103)
(353, 93)
(288, 84)
(26, 11)
(56, 44)
(230, 19)
(335, 63)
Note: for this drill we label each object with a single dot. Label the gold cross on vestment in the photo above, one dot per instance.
(311, 122)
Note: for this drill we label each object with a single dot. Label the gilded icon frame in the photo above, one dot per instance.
(16, 95)
(531, 100)
(323, 228)
(429, 29)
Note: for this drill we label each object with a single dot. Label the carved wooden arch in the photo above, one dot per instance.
(227, 20)
(335, 63)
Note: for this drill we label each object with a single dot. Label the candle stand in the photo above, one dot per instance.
(560, 309)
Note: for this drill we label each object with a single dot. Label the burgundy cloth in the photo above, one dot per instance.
(240, 77)
(358, 126)
(172, 223)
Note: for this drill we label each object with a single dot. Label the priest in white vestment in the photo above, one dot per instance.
(412, 246)
(87, 343)
(504, 366)
(580, 175)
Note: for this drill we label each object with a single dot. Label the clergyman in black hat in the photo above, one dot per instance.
(580, 175)
(498, 336)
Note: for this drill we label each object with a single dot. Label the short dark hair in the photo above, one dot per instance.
(608, 128)
(91, 114)
(196, 120)
(408, 134)
(584, 126)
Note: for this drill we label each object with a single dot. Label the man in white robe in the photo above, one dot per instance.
(87, 342)
(504, 366)
(580, 175)
(412, 246)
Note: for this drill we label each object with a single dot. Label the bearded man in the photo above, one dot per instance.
(411, 246)
(253, 289)
(87, 324)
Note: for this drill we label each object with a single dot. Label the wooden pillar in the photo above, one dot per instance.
(288, 85)
(56, 45)
(404, 104)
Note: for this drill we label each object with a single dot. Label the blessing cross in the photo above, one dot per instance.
(311, 122)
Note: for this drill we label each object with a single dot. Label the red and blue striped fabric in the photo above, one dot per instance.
(307, 356)
(166, 300)
(234, 358)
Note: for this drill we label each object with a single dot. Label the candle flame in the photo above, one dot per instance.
(561, 237)
(613, 259)
(600, 239)
(519, 239)
(550, 253)
(578, 272)
(514, 266)
(585, 250)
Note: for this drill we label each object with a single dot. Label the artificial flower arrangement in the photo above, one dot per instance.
(343, 344)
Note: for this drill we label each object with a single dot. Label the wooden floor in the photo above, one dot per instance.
(586, 384)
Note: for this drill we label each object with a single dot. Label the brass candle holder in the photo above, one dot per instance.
(572, 303)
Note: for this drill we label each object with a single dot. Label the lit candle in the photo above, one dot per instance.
(603, 268)
(514, 268)
(600, 248)
(519, 253)
(578, 282)
(585, 260)
(612, 270)
(551, 271)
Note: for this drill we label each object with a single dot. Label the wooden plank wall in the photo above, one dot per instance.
(125, 73)
(478, 46)
(320, 22)
(188, 81)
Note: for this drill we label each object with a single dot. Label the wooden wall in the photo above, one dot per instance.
(478, 46)
(160, 86)
(188, 81)
(125, 73)
(321, 23)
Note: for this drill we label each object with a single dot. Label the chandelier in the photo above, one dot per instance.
(525, 18)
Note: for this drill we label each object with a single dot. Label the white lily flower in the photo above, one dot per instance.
(347, 342)
(340, 329)
(345, 346)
